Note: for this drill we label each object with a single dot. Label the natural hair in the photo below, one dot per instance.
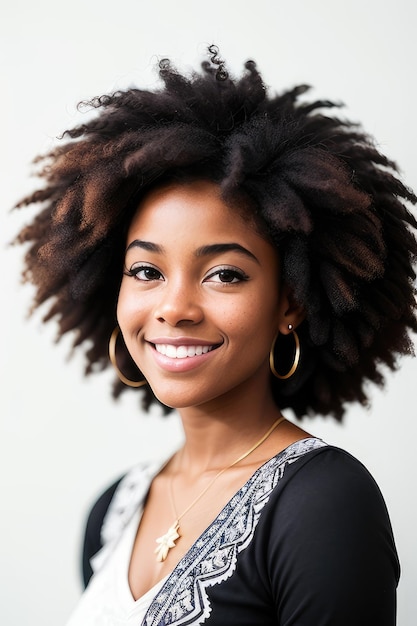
(318, 187)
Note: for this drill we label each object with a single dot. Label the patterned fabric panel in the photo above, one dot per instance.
(212, 559)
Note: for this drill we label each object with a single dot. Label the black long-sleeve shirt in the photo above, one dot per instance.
(306, 542)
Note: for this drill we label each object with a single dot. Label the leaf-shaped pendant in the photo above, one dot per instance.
(167, 541)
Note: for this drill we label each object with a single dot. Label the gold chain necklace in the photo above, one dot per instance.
(167, 541)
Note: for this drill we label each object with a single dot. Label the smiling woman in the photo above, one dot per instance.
(195, 274)
(245, 254)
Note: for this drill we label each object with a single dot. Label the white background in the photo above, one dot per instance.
(62, 437)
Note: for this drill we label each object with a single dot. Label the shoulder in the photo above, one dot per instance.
(330, 471)
(333, 482)
(329, 541)
(329, 486)
(92, 536)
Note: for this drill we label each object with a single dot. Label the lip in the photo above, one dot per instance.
(181, 365)
(183, 341)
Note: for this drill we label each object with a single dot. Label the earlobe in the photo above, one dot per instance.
(291, 312)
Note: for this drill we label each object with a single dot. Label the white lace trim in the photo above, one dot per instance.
(127, 499)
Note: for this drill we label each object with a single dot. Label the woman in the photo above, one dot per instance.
(245, 253)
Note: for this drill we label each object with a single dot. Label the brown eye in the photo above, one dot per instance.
(226, 275)
(144, 273)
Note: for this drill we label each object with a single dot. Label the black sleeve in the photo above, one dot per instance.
(331, 555)
(92, 540)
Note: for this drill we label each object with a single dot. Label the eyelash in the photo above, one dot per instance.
(134, 271)
(232, 272)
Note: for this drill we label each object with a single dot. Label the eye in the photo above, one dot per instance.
(226, 275)
(145, 273)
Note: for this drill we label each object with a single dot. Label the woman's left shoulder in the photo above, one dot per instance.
(329, 542)
(329, 468)
(327, 493)
(318, 491)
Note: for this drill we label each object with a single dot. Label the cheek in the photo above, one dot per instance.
(257, 323)
(121, 305)
(128, 308)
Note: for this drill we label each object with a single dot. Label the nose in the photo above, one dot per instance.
(179, 305)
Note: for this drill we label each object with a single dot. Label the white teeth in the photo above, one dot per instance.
(181, 352)
(171, 351)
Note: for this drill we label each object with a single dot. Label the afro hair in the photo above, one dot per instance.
(318, 187)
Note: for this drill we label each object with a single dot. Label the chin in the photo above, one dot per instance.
(178, 398)
(173, 399)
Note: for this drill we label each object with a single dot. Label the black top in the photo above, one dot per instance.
(322, 552)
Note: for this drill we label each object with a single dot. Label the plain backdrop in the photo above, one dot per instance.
(62, 437)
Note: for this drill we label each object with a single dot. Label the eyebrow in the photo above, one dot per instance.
(145, 245)
(218, 248)
(209, 250)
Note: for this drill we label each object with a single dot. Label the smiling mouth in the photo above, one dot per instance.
(182, 352)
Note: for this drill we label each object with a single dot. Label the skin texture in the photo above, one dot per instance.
(179, 290)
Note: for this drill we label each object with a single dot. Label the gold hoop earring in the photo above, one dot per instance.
(112, 355)
(296, 356)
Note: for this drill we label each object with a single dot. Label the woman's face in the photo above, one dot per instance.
(199, 303)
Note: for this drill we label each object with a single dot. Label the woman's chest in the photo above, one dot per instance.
(166, 533)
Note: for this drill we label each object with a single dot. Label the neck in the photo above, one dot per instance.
(215, 437)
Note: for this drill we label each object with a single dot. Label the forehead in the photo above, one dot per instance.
(196, 206)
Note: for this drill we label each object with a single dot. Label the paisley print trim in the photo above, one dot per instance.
(212, 559)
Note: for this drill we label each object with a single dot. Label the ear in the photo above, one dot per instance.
(290, 311)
